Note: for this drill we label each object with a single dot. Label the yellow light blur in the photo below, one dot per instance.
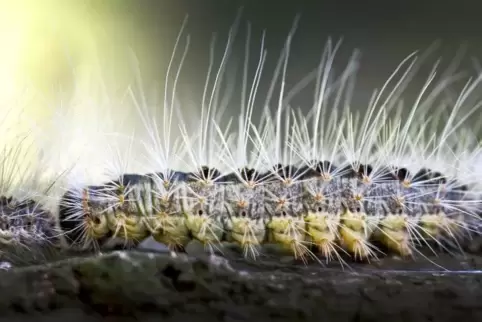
(46, 46)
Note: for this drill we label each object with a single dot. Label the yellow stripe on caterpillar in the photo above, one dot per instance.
(355, 233)
(394, 233)
(322, 231)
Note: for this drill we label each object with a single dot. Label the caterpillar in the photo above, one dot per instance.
(326, 185)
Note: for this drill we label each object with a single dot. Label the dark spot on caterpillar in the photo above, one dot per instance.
(68, 221)
(232, 178)
(175, 176)
(4, 222)
(169, 177)
(283, 213)
(428, 176)
(365, 170)
(402, 174)
(422, 175)
(277, 167)
(285, 172)
(324, 166)
(348, 172)
(439, 178)
(5, 201)
(95, 219)
(248, 174)
(386, 173)
(128, 179)
(316, 168)
(204, 173)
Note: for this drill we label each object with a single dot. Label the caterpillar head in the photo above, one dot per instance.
(82, 216)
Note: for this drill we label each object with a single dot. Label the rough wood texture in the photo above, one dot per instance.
(155, 287)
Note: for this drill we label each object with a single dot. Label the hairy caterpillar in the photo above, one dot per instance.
(324, 185)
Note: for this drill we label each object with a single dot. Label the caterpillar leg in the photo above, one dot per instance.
(394, 233)
(322, 232)
(248, 233)
(127, 227)
(288, 231)
(448, 232)
(205, 228)
(170, 230)
(435, 225)
(355, 233)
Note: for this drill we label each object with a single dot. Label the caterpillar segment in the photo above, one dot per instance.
(322, 209)
(246, 220)
(28, 232)
(24, 223)
(399, 227)
(434, 208)
(203, 206)
(327, 213)
(443, 219)
(165, 218)
(122, 211)
(104, 216)
(393, 230)
(426, 185)
(284, 206)
(361, 212)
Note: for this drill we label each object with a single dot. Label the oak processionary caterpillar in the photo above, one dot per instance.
(327, 185)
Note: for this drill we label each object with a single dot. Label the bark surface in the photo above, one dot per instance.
(128, 286)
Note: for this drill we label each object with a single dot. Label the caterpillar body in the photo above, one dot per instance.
(345, 213)
(325, 185)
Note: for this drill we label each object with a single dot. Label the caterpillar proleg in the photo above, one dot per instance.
(326, 185)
